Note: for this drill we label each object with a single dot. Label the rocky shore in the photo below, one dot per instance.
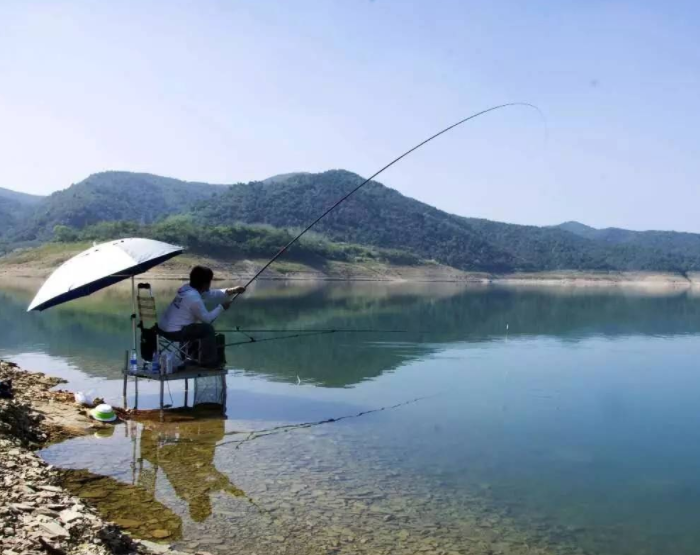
(36, 514)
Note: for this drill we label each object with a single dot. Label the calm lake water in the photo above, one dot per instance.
(549, 421)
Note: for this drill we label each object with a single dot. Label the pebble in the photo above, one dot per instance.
(161, 534)
(54, 489)
(26, 507)
(47, 512)
(53, 529)
(69, 516)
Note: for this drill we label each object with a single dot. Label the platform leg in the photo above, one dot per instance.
(225, 393)
(126, 381)
(162, 392)
(136, 392)
(187, 390)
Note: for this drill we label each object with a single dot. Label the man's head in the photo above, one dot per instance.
(200, 278)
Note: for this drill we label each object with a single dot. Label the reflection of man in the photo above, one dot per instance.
(187, 318)
(187, 458)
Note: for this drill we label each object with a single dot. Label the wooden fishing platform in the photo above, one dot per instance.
(187, 373)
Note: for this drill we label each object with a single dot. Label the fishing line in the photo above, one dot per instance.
(343, 199)
(254, 434)
(299, 333)
(296, 335)
(242, 332)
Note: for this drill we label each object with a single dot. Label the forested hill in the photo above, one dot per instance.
(204, 216)
(112, 196)
(670, 242)
(380, 216)
(22, 199)
(15, 208)
(376, 215)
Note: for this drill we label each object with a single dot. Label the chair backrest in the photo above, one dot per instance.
(146, 304)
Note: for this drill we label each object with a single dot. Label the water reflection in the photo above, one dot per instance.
(94, 331)
(180, 450)
(578, 432)
(132, 506)
(184, 451)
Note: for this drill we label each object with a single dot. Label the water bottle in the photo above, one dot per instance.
(166, 363)
(133, 363)
(155, 365)
(171, 364)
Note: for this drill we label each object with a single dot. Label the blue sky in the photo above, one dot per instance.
(228, 91)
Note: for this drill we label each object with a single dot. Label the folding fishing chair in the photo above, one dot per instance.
(153, 339)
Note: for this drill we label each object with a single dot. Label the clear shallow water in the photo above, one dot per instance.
(575, 432)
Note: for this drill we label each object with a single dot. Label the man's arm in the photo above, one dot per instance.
(221, 294)
(201, 314)
(214, 295)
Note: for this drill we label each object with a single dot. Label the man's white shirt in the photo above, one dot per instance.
(188, 308)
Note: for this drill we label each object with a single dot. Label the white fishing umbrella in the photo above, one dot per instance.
(99, 267)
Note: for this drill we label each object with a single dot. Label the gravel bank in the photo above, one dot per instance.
(36, 514)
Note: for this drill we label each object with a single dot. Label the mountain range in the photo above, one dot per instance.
(377, 217)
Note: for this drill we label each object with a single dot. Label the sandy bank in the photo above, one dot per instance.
(39, 264)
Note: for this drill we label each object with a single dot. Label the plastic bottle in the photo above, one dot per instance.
(155, 365)
(84, 399)
(171, 364)
(166, 363)
(133, 363)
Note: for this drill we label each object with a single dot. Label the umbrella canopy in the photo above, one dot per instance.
(100, 267)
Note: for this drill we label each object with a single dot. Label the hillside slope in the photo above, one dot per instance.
(376, 215)
(23, 199)
(15, 207)
(113, 196)
(379, 216)
(671, 243)
(210, 217)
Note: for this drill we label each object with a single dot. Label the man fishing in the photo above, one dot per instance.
(187, 318)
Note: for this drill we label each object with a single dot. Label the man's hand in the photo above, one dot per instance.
(235, 290)
(226, 304)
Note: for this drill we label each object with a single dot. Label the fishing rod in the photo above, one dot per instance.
(297, 333)
(343, 199)
(339, 330)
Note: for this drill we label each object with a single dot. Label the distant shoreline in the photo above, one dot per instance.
(39, 263)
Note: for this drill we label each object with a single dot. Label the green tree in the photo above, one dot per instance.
(64, 234)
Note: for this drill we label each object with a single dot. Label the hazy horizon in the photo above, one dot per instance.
(226, 92)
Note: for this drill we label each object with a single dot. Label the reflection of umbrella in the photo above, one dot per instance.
(100, 267)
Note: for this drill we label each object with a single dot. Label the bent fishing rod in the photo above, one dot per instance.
(399, 158)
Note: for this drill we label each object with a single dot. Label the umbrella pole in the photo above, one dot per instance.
(133, 313)
(133, 338)
(126, 380)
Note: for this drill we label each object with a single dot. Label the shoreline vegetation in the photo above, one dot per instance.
(40, 262)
